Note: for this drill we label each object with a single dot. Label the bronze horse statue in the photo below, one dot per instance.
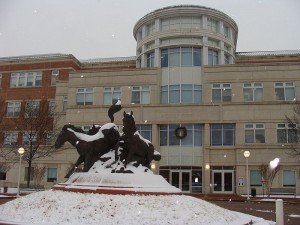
(135, 147)
(91, 149)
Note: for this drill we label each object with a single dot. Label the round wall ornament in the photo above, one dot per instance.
(180, 132)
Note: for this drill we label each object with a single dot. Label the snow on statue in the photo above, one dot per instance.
(123, 149)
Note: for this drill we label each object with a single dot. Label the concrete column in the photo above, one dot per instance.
(144, 30)
(143, 58)
(222, 57)
(205, 52)
(206, 161)
(204, 22)
(157, 55)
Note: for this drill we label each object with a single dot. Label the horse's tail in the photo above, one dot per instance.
(113, 109)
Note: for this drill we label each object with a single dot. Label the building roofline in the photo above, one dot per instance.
(37, 57)
(268, 53)
(107, 60)
(156, 13)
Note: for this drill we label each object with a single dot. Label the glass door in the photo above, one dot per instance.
(223, 181)
(181, 180)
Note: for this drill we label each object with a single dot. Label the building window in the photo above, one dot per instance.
(51, 107)
(221, 92)
(255, 133)
(175, 57)
(27, 79)
(183, 22)
(50, 138)
(255, 178)
(287, 133)
(32, 108)
(193, 137)
(31, 173)
(150, 59)
(213, 57)
(10, 138)
(29, 138)
(145, 130)
(51, 174)
(253, 92)
(226, 32)
(184, 93)
(212, 24)
(2, 175)
(54, 76)
(150, 28)
(140, 95)
(111, 95)
(13, 109)
(226, 59)
(84, 96)
(64, 103)
(289, 178)
(285, 91)
(222, 134)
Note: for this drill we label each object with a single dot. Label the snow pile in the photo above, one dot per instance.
(56, 207)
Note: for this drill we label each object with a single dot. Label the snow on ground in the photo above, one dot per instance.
(57, 207)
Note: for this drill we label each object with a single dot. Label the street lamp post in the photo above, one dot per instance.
(247, 155)
(21, 152)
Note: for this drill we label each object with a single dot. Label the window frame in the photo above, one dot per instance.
(52, 179)
(13, 133)
(150, 57)
(253, 87)
(284, 86)
(283, 178)
(21, 79)
(167, 131)
(286, 127)
(257, 184)
(221, 131)
(14, 107)
(141, 91)
(173, 57)
(222, 87)
(85, 92)
(167, 90)
(213, 57)
(255, 128)
(112, 92)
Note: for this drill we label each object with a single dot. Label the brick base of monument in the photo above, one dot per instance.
(114, 183)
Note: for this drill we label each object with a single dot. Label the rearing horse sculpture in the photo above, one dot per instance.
(89, 147)
(136, 148)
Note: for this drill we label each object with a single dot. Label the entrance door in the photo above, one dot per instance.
(223, 181)
(181, 179)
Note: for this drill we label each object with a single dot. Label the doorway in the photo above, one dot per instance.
(223, 181)
(181, 179)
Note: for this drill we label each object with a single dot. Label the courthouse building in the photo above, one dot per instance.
(186, 78)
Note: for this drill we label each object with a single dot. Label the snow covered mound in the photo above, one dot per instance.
(117, 183)
(57, 207)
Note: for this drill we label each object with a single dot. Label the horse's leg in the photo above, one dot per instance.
(78, 162)
(87, 162)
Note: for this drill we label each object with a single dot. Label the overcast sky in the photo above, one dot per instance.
(104, 28)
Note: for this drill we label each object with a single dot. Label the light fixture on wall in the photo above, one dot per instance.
(207, 166)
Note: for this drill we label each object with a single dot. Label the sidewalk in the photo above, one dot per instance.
(234, 197)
